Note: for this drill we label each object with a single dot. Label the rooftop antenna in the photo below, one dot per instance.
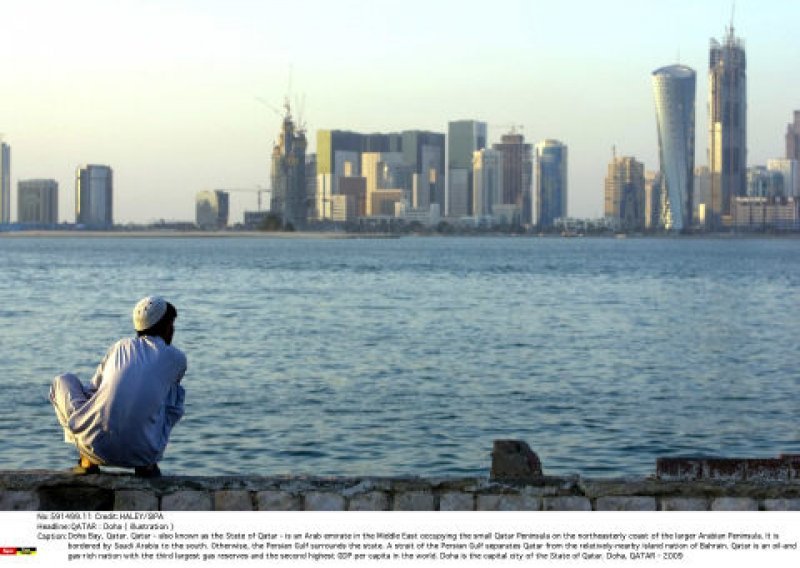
(733, 14)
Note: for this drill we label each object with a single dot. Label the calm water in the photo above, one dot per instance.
(410, 356)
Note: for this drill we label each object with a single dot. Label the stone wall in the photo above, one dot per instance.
(46, 490)
(515, 483)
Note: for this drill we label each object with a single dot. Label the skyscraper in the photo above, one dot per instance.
(37, 201)
(5, 183)
(793, 138)
(487, 172)
(423, 153)
(94, 196)
(624, 192)
(652, 200)
(674, 91)
(727, 110)
(464, 138)
(289, 174)
(517, 172)
(551, 183)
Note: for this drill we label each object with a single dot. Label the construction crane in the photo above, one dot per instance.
(259, 190)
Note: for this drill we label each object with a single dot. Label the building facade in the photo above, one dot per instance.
(94, 196)
(762, 182)
(727, 109)
(412, 161)
(487, 174)
(289, 174)
(464, 138)
(674, 91)
(624, 193)
(793, 138)
(5, 183)
(384, 170)
(550, 164)
(790, 171)
(766, 213)
(423, 155)
(517, 173)
(652, 200)
(37, 201)
(212, 209)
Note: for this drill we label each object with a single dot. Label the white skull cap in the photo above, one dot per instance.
(148, 312)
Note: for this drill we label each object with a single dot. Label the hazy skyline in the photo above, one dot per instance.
(165, 91)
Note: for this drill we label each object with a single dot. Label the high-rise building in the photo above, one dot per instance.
(517, 172)
(5, 182)
(727, 110)
(419, 170)
(624, 192)
(423, 154)
(94, 196)
(762, 182)
(464, 138)
(487, 175)
(793, 138)
(551, 183)
(37, 201)
(652, 200)
(790, 170)
(701, 195)
(383, 170)
(674, 91)
(212, 209)
(311, 186)
(289, 174)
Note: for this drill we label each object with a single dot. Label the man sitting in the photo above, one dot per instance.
(125, 416)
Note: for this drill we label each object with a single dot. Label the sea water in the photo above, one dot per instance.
(410, 356)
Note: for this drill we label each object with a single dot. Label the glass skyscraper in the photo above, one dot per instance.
(551, 183)
(674, 90)
(94, 196)
(464, 138)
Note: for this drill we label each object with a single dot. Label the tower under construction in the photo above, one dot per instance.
(289, 174)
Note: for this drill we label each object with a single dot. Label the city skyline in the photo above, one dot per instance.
(169, 101)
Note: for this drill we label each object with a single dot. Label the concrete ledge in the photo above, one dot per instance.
(49, 490)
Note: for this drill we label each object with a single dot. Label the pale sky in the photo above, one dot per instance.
(165, 92)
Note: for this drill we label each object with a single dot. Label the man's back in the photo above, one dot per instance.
(137, 400)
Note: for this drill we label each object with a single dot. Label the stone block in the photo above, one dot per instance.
(782, 504)
(370, 501)
(278, 501)
(625, 504)
(509, 502)
(19, 501)
(186, 501)
(767, 470)
(135, 500)
(457, 502)
(324, 501)
(414, 501)
(514, 460)
(566, 503)
(233, 501)
(734, 504)
(72, 498)
(684, 504)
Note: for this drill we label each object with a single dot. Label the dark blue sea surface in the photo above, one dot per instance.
(409, 356)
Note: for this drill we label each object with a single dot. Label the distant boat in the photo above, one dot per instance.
(620, 236)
